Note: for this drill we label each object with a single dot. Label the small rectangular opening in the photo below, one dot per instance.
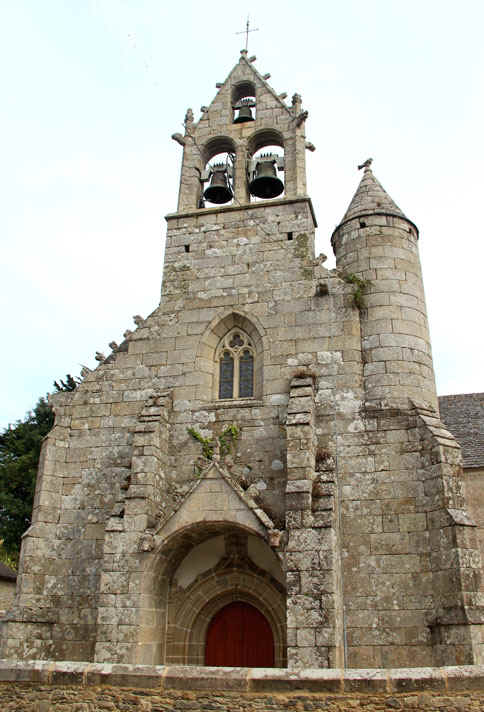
(187, 248)
(289, 235)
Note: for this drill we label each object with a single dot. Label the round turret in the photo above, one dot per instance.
(377, 243)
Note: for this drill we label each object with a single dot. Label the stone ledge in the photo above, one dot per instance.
(191, 677)
(200, 212)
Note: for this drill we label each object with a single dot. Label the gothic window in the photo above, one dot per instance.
(235, 356)
(226, 385)
(246, 374)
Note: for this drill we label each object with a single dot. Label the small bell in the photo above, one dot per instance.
(219, 190)
(245, 114)
(265, 183)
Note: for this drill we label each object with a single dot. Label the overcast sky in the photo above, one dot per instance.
(92, 91)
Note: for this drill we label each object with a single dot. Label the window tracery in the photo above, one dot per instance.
(235, 357)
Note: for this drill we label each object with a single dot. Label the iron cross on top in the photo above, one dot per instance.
(246, 33)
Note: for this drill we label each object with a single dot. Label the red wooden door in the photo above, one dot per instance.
(239, 636)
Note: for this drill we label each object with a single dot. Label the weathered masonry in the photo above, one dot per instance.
(258, 474)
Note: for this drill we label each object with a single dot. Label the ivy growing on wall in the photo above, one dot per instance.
(360, 287)
(226, 441)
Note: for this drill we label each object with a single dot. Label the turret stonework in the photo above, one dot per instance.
(257, 475)
(378, 244)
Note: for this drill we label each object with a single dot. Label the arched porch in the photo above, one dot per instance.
(195, 573)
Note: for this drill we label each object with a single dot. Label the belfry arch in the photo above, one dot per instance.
(194, 574)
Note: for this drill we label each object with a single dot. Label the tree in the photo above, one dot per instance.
(70, 384)
(19, 458)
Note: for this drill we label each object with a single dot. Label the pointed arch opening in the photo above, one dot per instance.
(265, 164)
(231, 354)
(217, 177)
(235, 371)
(243, 102)
(199, 571)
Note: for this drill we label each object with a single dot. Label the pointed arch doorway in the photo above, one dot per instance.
(239, 635)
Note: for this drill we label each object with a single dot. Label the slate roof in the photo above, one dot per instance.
(371, 198)
(463, 414)
(6, 573)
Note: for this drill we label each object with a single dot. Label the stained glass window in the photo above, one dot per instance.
(235, 357)
(246, 375)
(226, 380)
(235, 341)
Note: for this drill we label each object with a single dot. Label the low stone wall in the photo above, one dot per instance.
(89, 687)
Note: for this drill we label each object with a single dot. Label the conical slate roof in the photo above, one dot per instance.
(371, 198)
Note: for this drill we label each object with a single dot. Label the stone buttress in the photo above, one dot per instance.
(267, 437)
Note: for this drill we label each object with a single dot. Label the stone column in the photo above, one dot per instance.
(241, 188)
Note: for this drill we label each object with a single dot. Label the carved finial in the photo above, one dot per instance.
(366, 164)
(252, 491)
(113, 345)
(310, 146)
(146, 542)
(178, 138)
(138, 320)
(274, 538)
(100, 356)
(302, 118)
(188, 118)
(85, 371)
(127, 333)
(296, 103)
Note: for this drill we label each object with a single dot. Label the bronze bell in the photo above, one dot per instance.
(265, 183)
(219, 190)
(245, 114)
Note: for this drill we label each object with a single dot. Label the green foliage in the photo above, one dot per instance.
(7, 559)
(226, 441)
(70, 384)
(361, 285)
(207, 443)
(19, 458)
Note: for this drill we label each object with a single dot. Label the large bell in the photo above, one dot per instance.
(219, 190)
(265, 183)
(245, 114)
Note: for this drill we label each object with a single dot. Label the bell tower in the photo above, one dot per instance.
(224, 156)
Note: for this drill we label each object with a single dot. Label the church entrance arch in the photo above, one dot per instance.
(239, 636)
(201, 570)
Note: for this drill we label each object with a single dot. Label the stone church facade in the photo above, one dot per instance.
(267, 439)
